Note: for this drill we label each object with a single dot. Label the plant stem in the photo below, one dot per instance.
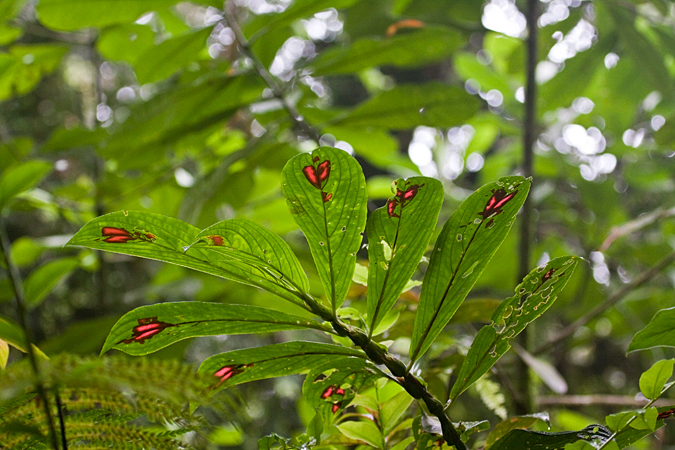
(17, 285)
(299, 121)
(525, 403)
(608, 303)
(381, 356)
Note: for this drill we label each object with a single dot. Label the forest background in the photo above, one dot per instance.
(191, 109)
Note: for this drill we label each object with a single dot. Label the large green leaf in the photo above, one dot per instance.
(408, 105)
(398, 234)
(46, 277)
(125, 42)
(405, 50)
(150, 328)
(534, 296)
(515, 423)
(660, 332)
(71, 15)
(326, 193)
(242, 366)
(539, 440)
(160, 61)
(20, 178)
(245, 242)
(364, 430)
(166, 239)
(466, 244)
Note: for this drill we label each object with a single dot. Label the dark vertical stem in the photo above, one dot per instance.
(524, 404)
(17, 285)
(59, 408)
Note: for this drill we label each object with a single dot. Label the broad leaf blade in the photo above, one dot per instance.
(46, 277)
(150, 328)
(326, 193)
(539, 440)
(364, 430)
(246, 243)
(408, 105)
(20, 178)
(653, 380)
(398, 234)
(242, 366)
(413, 49)
(165, 239)
(534, 296)
(466, 244)
(660, 332)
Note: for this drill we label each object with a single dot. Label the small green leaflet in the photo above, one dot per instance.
(534, 296)
(398, 234)
(242, 366)
(660, 332)
(539, 440)
(21, 177)
(248, 243)
(654, 379)
(515, 423)
(150, 328)
(466, 244)
(326, 193)
(166, 239)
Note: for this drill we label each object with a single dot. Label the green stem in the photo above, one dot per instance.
(17, 285)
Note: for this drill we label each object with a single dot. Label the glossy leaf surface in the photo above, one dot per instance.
(165, 239)
(150, 328)
(466, 244)
(398, 234)
(534, 296)
(326, 193)
(654, 379)
(363, 430)
(660, 332)
(242, 366)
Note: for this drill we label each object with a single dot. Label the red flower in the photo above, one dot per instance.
(317, 176)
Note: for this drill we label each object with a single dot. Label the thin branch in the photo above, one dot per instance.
(608, 303)
(59, 409)
(299, 121)
(17, 285)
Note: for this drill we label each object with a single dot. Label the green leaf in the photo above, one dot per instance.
(242, 366)
(513, 423)
(14, 335)
(175, 114)
(20, 178)
(125, 42)
(250, 245)
(392, 410)
(466, 244)
(408, 105)
(46, 277)
(654, 379)
(4, 354)
(398, 235)
(150, 328)
(326, 193)
(365, 431)
(160, 61)
(413, 49)
(538, 440)
(166, 239)
(534, 296)
(266, 23)
(660, 332)
(24, 66)
(69, 15)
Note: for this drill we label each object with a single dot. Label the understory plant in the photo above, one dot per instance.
(326, 193)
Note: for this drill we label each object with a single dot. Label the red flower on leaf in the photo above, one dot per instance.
(317, 176)
(147, 328)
